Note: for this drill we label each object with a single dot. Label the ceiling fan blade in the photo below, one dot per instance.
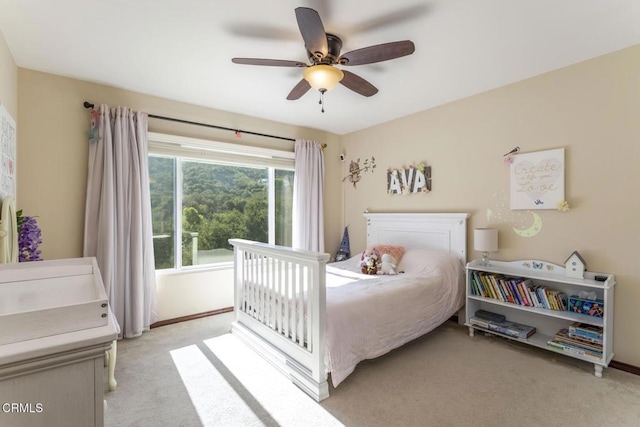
(268, 62)
(358, 84)
(378, 53)
(312, 30)
(300, 89)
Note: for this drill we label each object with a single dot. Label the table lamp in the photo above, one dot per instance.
(485, 240)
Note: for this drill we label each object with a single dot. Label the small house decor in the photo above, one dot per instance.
(412, 180)
(575, 266)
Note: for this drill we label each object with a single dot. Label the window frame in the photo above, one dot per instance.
(183, 148)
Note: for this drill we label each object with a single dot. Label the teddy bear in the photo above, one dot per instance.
(388, 264)
(369, 261)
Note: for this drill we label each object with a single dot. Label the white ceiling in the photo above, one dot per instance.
(182, 49)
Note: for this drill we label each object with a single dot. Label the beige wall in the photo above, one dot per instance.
(53, 148)
(8, 79)
(592, 109)
(52, 167)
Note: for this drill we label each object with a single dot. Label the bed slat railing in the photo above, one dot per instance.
(280, 304)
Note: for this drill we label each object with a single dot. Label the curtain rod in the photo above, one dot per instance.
(90, 105)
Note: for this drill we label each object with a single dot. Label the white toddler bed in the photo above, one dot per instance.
(310, 319)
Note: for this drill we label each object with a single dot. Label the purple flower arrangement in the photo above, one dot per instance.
(29, 237)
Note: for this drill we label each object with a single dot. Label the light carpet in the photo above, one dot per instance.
(197, 374)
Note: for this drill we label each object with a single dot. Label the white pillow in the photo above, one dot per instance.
(425, 262)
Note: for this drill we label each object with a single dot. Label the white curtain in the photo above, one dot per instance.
(308, 187)
(118, 216)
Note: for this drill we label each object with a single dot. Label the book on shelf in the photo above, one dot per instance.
(498, 281)
(492, 284)
(542, 293)
(478, 321)
(480, 285)
(489, 315)
(564, 301)
(512, 329)
(523, 288)
(565, 337)
(475, 290)
(498, 323)
(551, 296)
(511, 287)
(568, 348)
(534, 297)
(586, 332)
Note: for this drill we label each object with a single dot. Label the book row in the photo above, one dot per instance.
(581, 339)
(517, 290)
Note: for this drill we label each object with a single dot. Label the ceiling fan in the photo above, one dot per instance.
(323, 50)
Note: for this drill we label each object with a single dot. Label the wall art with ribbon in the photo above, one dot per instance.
(537, 180)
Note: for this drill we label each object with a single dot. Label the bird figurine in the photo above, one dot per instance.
(514, 151)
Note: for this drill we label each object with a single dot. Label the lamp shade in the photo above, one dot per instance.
(485, 239)
(323, 76)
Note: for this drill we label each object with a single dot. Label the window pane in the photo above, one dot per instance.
(284, 206)
(162, 177)
(221, 202)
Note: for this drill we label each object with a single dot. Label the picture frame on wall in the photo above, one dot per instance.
(7, 154)
(537, 179)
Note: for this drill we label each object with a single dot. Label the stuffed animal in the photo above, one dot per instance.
(388, 264)
(369, 261)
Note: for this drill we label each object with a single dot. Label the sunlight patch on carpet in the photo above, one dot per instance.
(285, 402)
(214, 399)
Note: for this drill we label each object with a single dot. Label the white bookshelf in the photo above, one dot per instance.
(547, 322)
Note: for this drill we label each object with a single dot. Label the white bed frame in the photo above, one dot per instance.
(268, 275)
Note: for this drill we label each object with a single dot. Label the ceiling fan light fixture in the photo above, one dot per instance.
(323, 76)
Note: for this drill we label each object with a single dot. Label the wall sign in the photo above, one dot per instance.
(414, 179)
(537, 180)
(7, 154)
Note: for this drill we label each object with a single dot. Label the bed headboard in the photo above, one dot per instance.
(437, 231)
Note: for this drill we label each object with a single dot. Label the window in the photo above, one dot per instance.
(216, 194)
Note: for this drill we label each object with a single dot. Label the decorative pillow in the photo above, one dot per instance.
(370, 261)
(395, 251)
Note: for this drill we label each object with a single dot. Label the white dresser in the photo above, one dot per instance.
(52, 357)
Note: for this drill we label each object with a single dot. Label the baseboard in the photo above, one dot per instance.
(625, 367)
(190, 317)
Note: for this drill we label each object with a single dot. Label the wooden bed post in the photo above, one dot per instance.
(319, 314)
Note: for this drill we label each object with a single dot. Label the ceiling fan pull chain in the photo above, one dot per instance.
(322, 91)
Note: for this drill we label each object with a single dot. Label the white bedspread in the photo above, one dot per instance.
(368, 316)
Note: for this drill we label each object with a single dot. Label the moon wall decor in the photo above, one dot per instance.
(523, 223)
